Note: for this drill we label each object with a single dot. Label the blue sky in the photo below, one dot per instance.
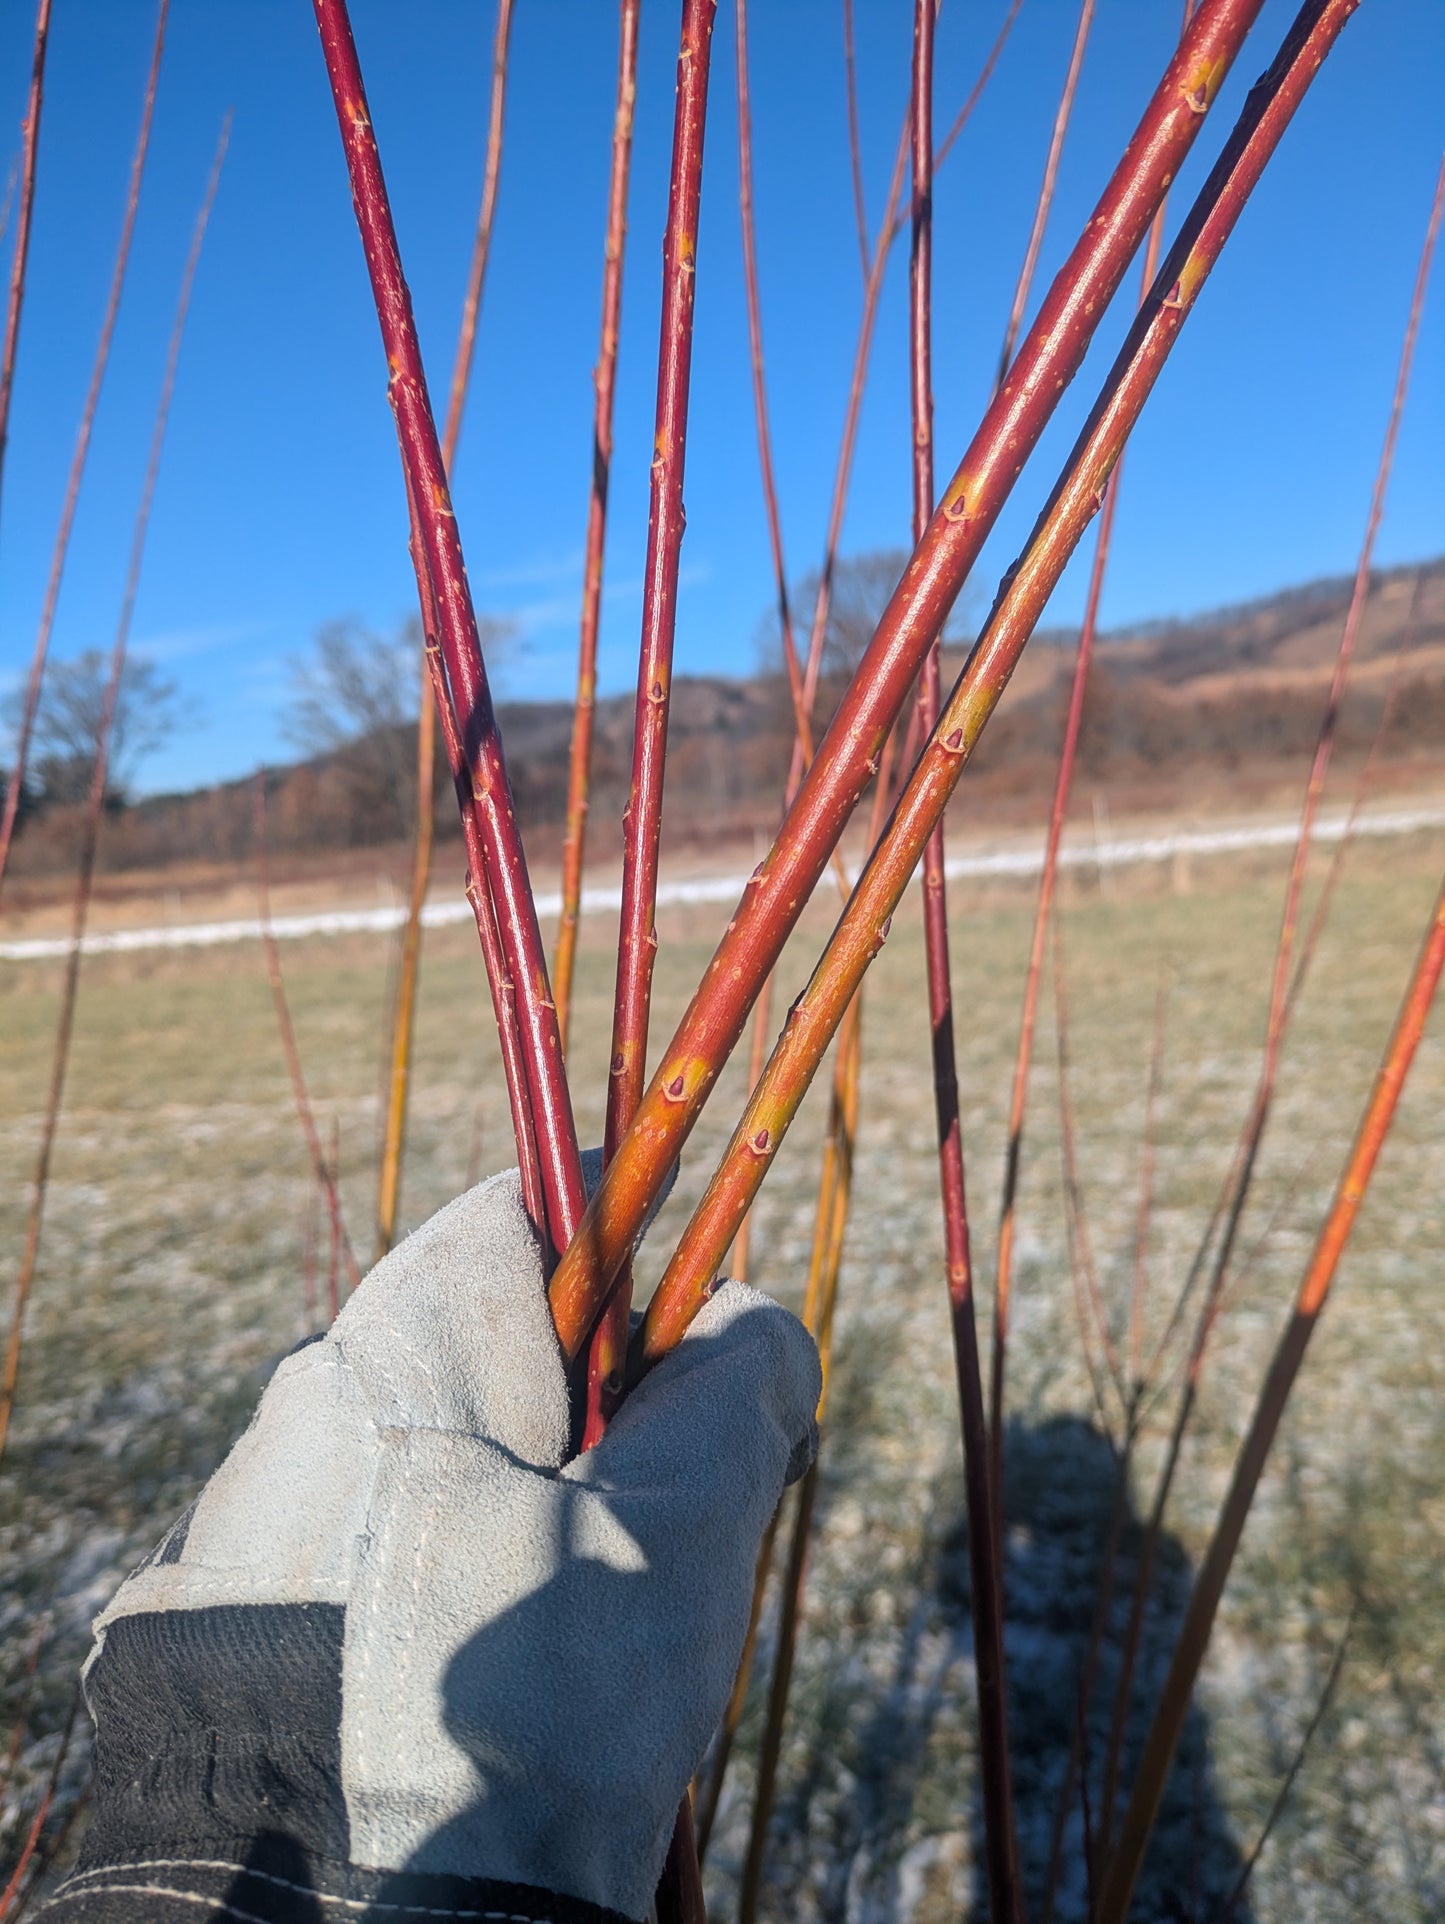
(280, 503)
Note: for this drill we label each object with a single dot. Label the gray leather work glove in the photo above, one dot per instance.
(401, 1656)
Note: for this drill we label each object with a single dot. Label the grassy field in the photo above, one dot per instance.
(171, 1281)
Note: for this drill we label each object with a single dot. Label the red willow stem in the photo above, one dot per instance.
(308, 1259)
(642, 820)
(1311, 1297)
(1043, 910)
(986, 1587)
(784, 881)
(1076, 499)
(1046, 189)
(604, 381)
(1088, 1301)
(50, 1855)
(965, 112)
(22, 1715)
(1362, 789)
(1279, 987)
(855, 143)
(95, 810)
(321, 1169)
(30, 142)
(32, 1839)
(425, 470)
(82, 448)
(499, 981)
(1291, 1776)
(1144, 1214)
(337, 1236)
(408, 973)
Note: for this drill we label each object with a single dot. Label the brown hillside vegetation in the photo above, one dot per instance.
(1222, 707)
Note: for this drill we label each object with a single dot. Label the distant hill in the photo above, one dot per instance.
(1222, 704)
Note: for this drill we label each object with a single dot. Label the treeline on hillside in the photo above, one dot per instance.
(1240, 689)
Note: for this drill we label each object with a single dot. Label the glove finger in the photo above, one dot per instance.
(691, 1469)
(451, 1331)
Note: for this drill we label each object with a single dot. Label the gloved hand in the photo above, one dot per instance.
(401, 1655)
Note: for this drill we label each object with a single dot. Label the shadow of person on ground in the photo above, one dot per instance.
(1061, 1491)
(908, 1846)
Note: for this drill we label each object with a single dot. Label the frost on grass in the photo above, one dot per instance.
(171, 1282)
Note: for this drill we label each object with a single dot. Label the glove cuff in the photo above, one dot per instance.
(269, 1883)
(218, 1793)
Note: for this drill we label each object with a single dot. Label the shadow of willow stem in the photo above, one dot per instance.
(440, 550)
(604, 382)
(404, 1017)
(95, 799)
(1051, 353)
(21, 748)
(1122, 1869)
(1076, 499)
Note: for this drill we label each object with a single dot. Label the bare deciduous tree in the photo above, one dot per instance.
(354, 703)
(148, 711)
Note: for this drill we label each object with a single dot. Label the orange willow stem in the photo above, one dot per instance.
(642, 820)
(321, 1168)
(1043, 909)
(604, 381)
(404, 1020)
(95, 809)
(965, 112)
(1046, 189)
(802, 684)
(802, 754)
(30, 142)
(829, 1225)
(841, 770)
(425, 471)
(1076, 499)
(82, 448)
(843, 472)
(986, 1587)
(1173, 1704)
(1240, 1180)
(760, 390)
(482, 245)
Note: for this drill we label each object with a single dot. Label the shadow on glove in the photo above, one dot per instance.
(401, 1640)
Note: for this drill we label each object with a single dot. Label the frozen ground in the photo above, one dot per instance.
(171, 1281)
